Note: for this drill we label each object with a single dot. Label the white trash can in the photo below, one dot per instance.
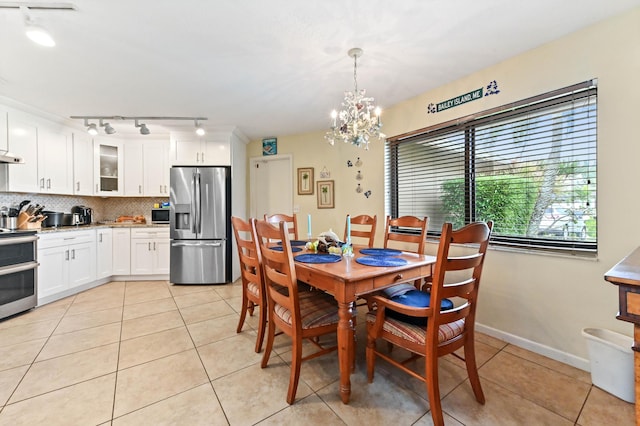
(611, 362)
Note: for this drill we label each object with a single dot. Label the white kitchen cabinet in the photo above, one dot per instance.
(121, 251)
(149, 251)
(55, 160)
(104, 253)
(133, 169)
(4, 140)
(108, 165)
(156, 168)
(208, 151)
(47, 150)
(67, 260)
(82, 164)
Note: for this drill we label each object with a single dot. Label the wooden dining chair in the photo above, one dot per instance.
(292, 222)
(440, 327)
(406, 230)
(253, 289)
(363, 226)
(293, 308)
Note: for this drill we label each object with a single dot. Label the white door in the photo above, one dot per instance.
(23, 142)
(121, 251)
(53, 271)
(55, 159)
(82, 263)
(141, 256)
(104, 253)
(133, 170)
(156, 168)
(271, 185)
(82, 164)
(161, 250)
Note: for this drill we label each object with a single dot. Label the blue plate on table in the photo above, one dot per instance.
(295, 243)
(317, 258)
(380, 252)
(279, 248)
(381, 261)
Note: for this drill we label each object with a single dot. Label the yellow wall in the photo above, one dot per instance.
(541, 299)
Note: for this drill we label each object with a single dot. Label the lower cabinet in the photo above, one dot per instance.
(121, 253)
(67, 260)
(149, 251)
(104, 253)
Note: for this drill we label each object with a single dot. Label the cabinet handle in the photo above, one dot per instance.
(165, 189)
(100, 238)
(78, 186)
(48, 183)
(139, 189)
(97, 190)
(73, 254)
(203, 157)
(154, 246)
(161, 189)
(149, 245)
(66, 255)
(197, 157)
(42, 183)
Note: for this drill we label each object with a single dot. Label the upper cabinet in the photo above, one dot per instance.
(47, 151)
(82, 164)
(4, 143)
(210, 150)
(156, 168)
(133, 169)
(108, 159)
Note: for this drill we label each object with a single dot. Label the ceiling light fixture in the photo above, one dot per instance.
(144, 130)
(36, 32)
(359, 117)
(199, 129)
(108, 128)
(91, 128)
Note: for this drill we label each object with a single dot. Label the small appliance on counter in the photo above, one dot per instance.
(85, 214)
(160, 215)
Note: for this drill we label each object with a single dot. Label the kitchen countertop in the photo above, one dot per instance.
(105, 224)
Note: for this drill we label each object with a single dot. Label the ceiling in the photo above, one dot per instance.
(267, 67)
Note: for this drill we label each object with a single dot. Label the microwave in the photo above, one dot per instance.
(160, 215)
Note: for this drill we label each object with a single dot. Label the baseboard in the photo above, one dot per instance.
(540, 349)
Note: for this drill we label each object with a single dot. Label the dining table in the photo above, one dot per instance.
(348, 278)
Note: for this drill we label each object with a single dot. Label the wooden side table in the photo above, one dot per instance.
(626, 275)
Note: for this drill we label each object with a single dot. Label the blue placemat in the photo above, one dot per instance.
(279, 248)
(317, 258)
(381, 261)
(380, 252)
(295, 242)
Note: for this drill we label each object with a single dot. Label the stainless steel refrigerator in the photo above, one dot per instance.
(200, 217)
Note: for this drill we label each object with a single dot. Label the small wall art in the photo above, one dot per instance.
(270, 146)
(305, 181)
(325, 194)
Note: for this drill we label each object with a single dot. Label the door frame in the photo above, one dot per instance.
(252, 177)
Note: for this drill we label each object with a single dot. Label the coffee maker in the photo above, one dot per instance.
(85, 214)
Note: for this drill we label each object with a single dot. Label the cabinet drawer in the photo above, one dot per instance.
(150, 233)
(65, 238)
(401, 277)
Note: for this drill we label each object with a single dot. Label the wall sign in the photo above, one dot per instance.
(269, 146)
(491, 89)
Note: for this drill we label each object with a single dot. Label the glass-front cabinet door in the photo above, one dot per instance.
(108, 167)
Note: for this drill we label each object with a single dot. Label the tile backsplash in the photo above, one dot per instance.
(103, 208)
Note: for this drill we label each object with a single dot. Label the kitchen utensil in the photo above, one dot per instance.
(13, 212)
(12, 222)
(23, 204)
(53, 219)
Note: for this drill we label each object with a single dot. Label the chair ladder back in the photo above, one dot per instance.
(292, 222)
(413, 222)
(365, 227)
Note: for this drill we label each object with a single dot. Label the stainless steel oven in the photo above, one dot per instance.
(18, 272)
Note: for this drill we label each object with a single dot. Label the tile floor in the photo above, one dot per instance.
(132, 353)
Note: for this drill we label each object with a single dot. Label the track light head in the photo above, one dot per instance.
(91, 128)
(199, 129)
(108, 128)
(36, 32)
(144, 130)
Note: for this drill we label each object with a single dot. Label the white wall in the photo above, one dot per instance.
(538, 301)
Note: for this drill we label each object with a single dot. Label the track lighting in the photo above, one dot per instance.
(144, 130)
(108, 128)
(199, 129)
(34, 31)
(91, 128)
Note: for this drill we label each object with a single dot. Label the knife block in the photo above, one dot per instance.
(23, 222)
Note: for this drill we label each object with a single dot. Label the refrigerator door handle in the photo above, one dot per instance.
(183, 244)
(198, 199)
(192, 206)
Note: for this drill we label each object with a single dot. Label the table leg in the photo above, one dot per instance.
(345, 348)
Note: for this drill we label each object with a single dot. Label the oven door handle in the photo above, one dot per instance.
(18, 240)
(12, 269)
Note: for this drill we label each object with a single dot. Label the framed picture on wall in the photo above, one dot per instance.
(270, 146)
(305, 181)
(325, 194)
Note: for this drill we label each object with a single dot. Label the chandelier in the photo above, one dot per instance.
(359, 118)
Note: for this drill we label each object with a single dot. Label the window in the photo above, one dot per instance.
(529, 166)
